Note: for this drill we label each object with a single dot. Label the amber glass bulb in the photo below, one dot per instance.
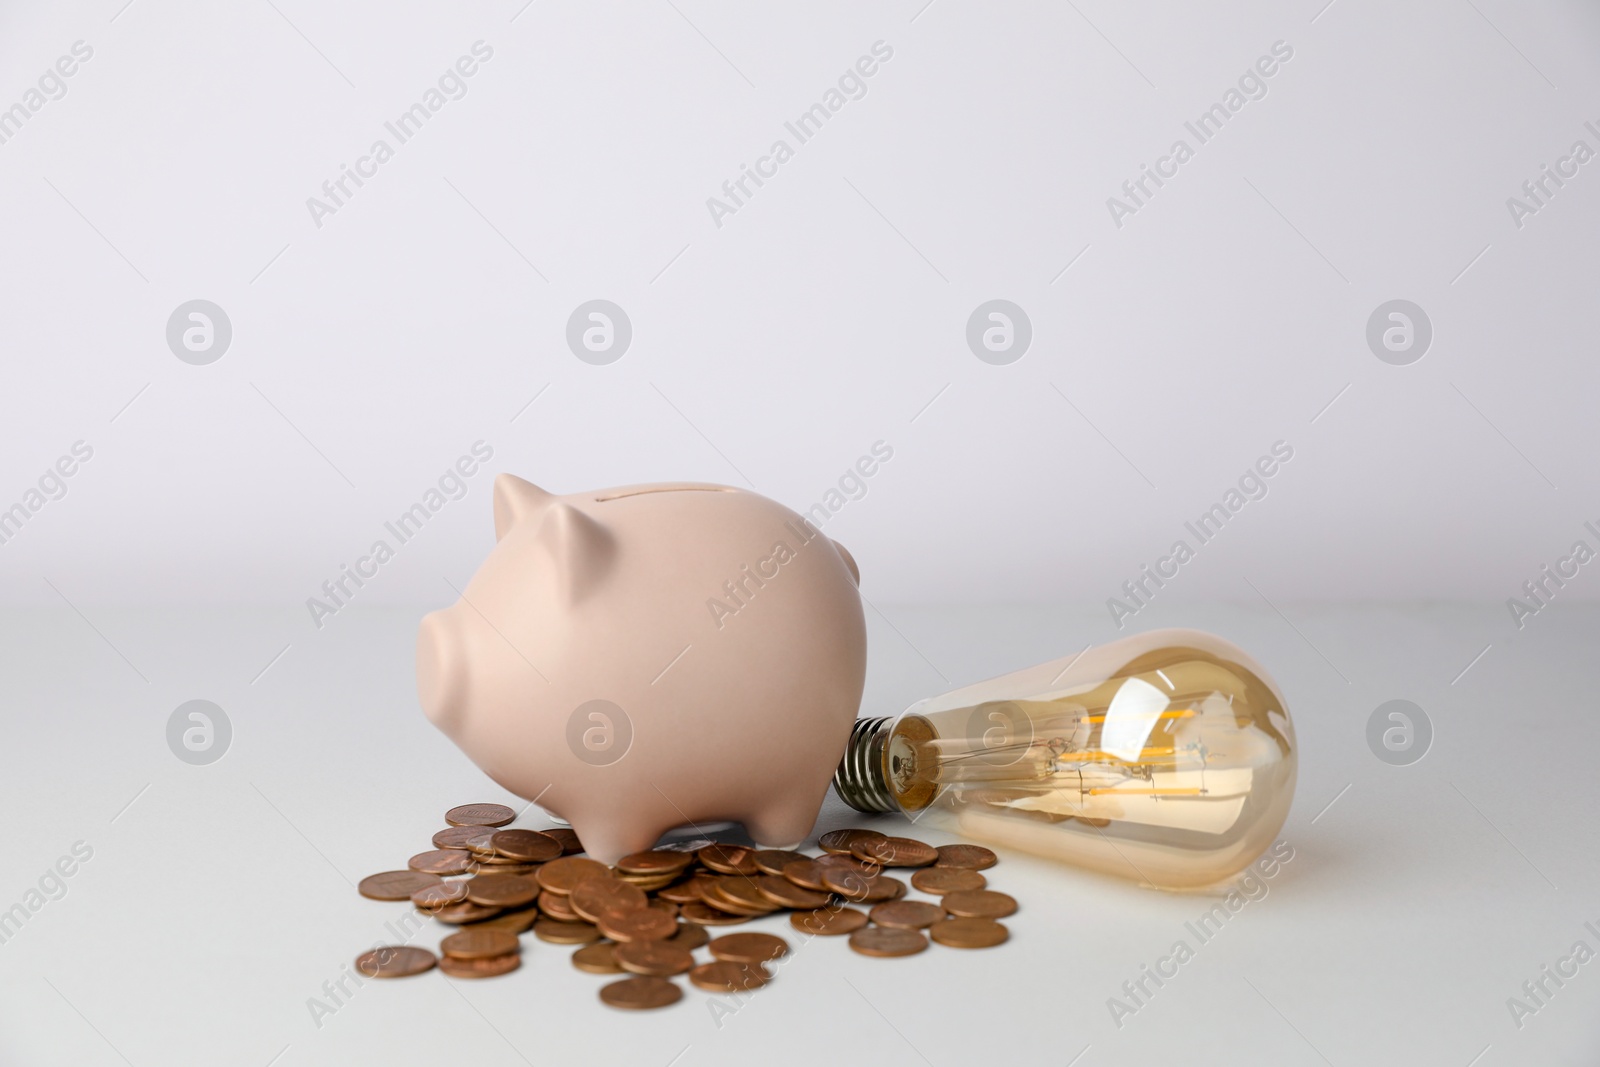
(1166, 757)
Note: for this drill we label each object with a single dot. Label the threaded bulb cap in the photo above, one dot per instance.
(859, 781)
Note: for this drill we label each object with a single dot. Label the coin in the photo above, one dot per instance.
(559, 933)
(895, 852)
(970, 857)
(394, 961)
(772, 860)
(846, 840)
(648, 882)
(860, 888)
(432, 897)
(597, 959)
(979, 904)
(662, 959)
(739, 895)
(703, 914)
(786, 894)
(656, 861)
(478, 943)
(887, 941)
(529, 846)
(502, 890)
(395, 885)
(441, 861)
(454, 836)
(689, 936)
(566, 838)
(728, 859)
(724, 976)
(807, 874)
(645, 924)
(640, 993)
(479, 815)
(968, 933)
(481, 842)
(465, 912)
(843, 861)
(489, 967)
(828, 922)
(680, 892)
(595, 896)
(906, 914)
(561, 875)
(748, 948)
(517, 921)
(942, 880)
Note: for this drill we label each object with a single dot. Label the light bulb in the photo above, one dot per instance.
(1166, 757)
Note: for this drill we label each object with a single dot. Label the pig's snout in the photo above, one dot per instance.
(441, 676)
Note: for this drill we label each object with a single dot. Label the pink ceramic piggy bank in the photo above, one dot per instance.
(652, 657)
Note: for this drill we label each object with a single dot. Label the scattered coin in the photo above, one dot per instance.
(748, 948)
(724, 976)
(970, 857)
(859, 888)
(689, 936)
(640, 993)
(979, 904)
(646, 924)
(529, 846)
(741, 896)
(465, 912)
(479, 815)
(559, 933)
(432, 897)
(828, 922)
(895, 852)
(502, 890)
(807, 874)
(942, 880)
(660, 959)
(968, 933)
(906, 914)
(845, 841)
(481, 842)
(395, 961)
(491, 967)
(561, 875)
(728, 859)
(454, 836)
(656, 861)
(478, 943)
(702, 914)
(784, 893)
(599, 958)
(396, 885)
(887, 941)
(558, 907)
(566, 838)
(441, 861)
(595, 896)
(772, 860)
(518, 921)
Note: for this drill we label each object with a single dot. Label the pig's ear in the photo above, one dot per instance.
(516, 501)
(581, 548)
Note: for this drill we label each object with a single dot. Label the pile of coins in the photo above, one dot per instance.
(646, 916)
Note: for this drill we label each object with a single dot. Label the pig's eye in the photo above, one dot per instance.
(643, 489)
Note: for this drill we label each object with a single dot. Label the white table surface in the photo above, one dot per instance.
(220, 900)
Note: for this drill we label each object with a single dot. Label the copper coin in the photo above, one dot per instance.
(772, 860)
(523, 870)
(969, 857)
(639, 994)
(828, 922)
(979, 904)
(479, 815)
(728, 859)
(489, 967)
(648, 882)
(895, 852)
(478, 943)
(807, 874)
(846, 840)
(394, 961)
(724, 976)
(740, 895)
(561, 875)
(906, 914)
(665, 905)
(680, 892)
(529, 846)
(481, 841)
(396, 885)
(558, 907)
(454, 836)
(887, 941)
(433, 897)
(656, 861)
(844, 861)
(465, 912)
(661, 959)
(595, 896)
(441, 861)
(748, 948)
(566, 837)
(942, 880)
(702, 914)
(559, 933)
(786, 894)
(598, 958)
(968, 933)
(861, 888)
(502, 890)
(517, 921)
(645, 924)
(690, 936)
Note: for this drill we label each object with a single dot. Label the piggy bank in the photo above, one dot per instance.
(652, 657)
